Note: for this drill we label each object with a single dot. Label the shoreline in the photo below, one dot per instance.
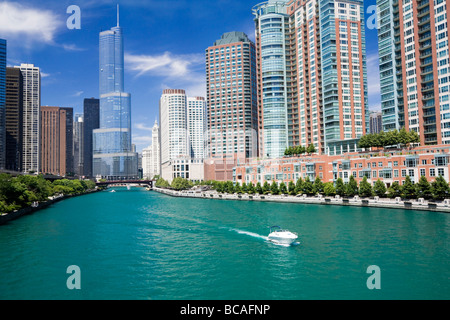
(413, 204)
(7, 217)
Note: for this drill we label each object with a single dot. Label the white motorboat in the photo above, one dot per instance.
(281, 236)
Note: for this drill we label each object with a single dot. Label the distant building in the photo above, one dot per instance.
(375, 122)
(91, 121)
(2, 104)
(56, 140)
(176, 137)
(14, 119)
(151, 156)
(78, 145)
(31, 139)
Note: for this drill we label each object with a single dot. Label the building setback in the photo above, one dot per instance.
(14, 119)
(312, 82)
(78, 148)
(414, 67)
(232, 113)
(56, 141)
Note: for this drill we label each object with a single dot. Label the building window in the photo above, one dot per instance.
(422, 172)
(432, 173)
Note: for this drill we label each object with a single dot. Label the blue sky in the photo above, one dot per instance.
(165, 42)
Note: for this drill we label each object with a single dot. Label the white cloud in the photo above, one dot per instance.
(78, 94)
(28, 25)
(373, 74)
(142, 126)
(45, 75)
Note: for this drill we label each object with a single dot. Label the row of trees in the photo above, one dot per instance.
(390, 138)
(21, 191)
(177, 183)
(299, 150)
(439, 189)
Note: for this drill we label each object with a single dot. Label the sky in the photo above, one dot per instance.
(165, 43)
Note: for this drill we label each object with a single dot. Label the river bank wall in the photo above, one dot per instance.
(7, 217)
(376, 202)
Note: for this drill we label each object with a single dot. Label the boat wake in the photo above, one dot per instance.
(251, 234)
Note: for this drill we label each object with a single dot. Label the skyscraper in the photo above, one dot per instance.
(414, 67)
(2, 104)
(91, 113)
(113, 155)
(56, 140)
(232, 113)
(78, 144)
(312, 82)
(31, 117)
(181, 119)
(14, 119)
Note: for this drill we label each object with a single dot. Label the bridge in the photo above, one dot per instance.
(126, 182)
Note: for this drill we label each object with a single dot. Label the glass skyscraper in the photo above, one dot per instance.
(113, 158)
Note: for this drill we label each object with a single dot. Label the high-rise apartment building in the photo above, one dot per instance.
(375, 122)
(31, 117)
(415, 67)
(91, 114)
(56, 140)
(2, 104)
(113, 156)
(312, 81)
(181, 119)
(78, 144)
(151, 156)
(14, 119)
(232, 113)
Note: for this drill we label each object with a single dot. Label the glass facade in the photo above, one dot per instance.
(113, 158)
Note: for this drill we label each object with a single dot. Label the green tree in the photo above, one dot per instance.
(259, 188)
(365, 189)
(395, 190)
(379, 188)
(181, 184)
(329, 189)
(283, 189)
(291, 188)
(299, 186)
(340, 187)
(308, 187)
(408, 189)
(440, 188)
(423, 188)
(237, 188)
(351, 189)
(229, 187)
(266, 187)
(274, 188)
(162, 183)
(318, 186)
(311, 149)
(244, 187)
(251, 188)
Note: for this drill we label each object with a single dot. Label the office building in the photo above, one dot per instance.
(312, 81)
(113, 157)
(178, 125)
(91, 121)
(78, 145)
(14, 119)
(2, 104)
(232, 113)
(376, 122)
(56, 140)
(414, 68)
(31, 117)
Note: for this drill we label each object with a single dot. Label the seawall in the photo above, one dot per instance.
(5, 218)
(417, 204)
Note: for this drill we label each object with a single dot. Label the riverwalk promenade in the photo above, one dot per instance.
(397, 203)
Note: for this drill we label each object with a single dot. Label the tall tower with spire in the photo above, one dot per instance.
(113, 158)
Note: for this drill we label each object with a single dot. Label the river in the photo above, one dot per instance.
(136, 244)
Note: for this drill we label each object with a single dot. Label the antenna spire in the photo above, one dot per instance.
(118, 15)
